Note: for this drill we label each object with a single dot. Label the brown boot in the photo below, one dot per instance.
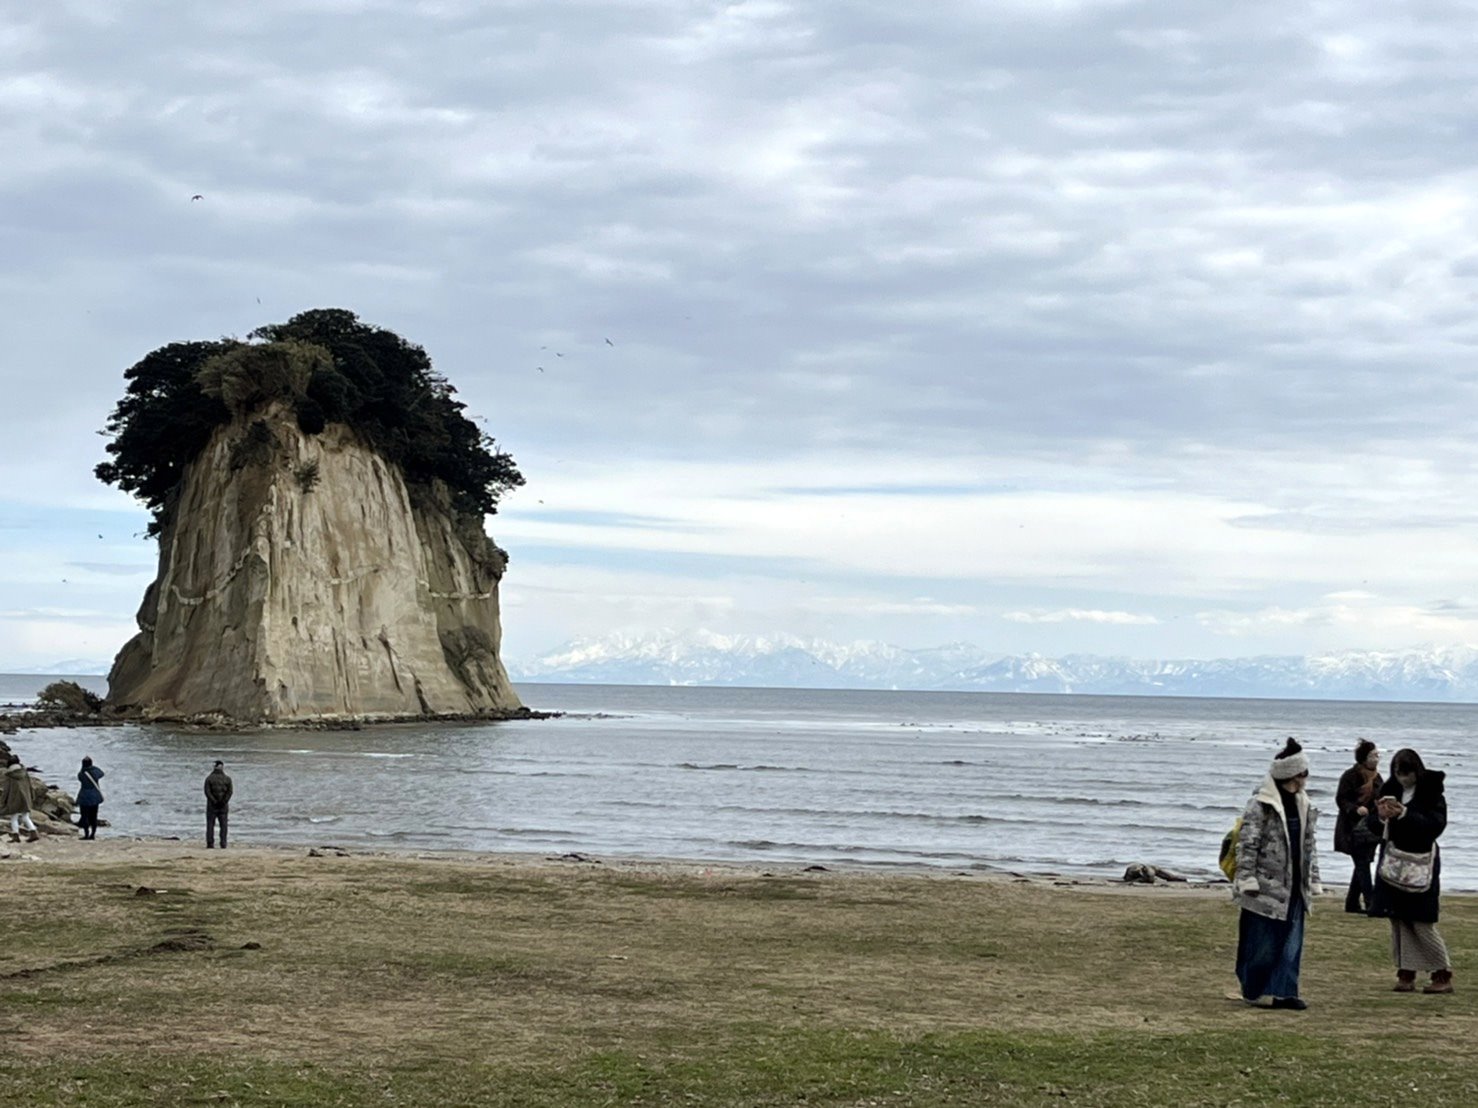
(1405, 981)
(1441, 982)
(32, 836)
(13, 837)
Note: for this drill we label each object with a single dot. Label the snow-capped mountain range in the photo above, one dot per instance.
(784, 661)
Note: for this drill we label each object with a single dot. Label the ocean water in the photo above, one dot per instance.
(961, 781)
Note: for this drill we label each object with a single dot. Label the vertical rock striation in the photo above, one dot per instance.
(300, 577)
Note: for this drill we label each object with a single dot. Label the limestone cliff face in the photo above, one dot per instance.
(300, 578)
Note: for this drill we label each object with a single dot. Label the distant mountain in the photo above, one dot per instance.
(784, 661)
(68, 667)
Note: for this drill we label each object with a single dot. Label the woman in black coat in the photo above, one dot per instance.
(1411, 813)
(1355, 798)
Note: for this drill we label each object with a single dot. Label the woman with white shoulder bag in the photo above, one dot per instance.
(1410, 815)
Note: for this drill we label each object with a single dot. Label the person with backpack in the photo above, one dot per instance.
(1355, 799)
(1410, 815)
(1277, 875)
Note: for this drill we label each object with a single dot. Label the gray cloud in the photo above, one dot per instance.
(840, 225)
(1224, 251)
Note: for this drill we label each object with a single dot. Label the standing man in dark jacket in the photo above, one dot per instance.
(217, 803)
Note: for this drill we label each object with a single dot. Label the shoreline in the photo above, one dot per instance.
(61, 849)
(58, 847)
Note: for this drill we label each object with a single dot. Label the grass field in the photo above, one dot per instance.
(445, 982)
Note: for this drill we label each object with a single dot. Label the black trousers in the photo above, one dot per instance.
(1360, 882)
(212, 817)
(87, 820)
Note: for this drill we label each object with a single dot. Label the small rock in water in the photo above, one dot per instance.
(815, 869)
(251, 946)
(144, 890)
(574, 856)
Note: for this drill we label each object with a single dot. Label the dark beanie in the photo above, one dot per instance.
(1363, 749)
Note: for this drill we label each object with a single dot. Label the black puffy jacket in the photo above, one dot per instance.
(1418, 830)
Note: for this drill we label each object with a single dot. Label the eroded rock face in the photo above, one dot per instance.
(300, 578)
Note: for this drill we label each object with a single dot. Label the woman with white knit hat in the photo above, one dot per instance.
(1277, 875)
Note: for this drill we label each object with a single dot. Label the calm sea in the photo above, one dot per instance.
(1070, 784)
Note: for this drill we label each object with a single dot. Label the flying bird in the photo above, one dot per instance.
(610, 343)
(539, 368)
(197, 196)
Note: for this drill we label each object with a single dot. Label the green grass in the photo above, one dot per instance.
(435, 983)
(751, 1067)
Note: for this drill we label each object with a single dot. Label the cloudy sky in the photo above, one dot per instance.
(1061, 325)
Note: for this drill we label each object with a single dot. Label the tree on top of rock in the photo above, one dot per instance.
(331, 368)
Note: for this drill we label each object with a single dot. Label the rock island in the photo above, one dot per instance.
(318, 497)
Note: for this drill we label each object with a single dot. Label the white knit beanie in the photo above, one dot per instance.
(1290, 762)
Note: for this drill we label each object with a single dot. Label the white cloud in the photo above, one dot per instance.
(1336, 625)
(1079, 615)
(1193, 333)
(914, 606)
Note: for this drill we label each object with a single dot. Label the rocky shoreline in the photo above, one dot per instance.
(51, 808)
(20, 717)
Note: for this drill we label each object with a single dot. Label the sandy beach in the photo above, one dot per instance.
(64, 850)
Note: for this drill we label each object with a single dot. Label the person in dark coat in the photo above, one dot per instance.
(1355, 798)
(1411, 813)
(89, 798)
(217, 804)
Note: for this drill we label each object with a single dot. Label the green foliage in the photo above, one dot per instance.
(331, 368)
(246, 377)
(68, 696)
(163, 421)
(385, 388)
